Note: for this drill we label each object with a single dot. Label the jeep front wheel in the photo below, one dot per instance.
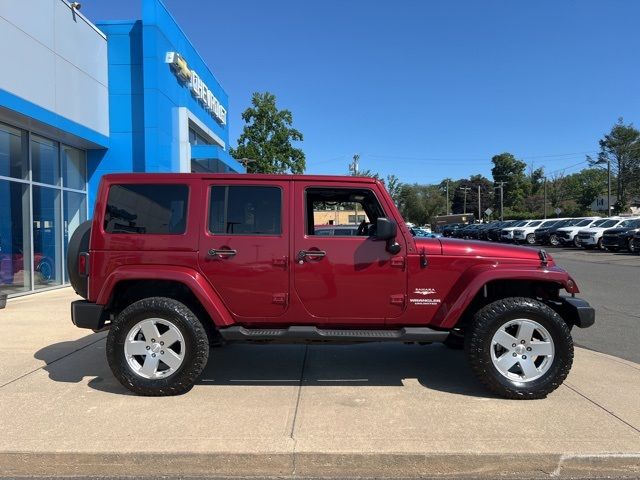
(157, 347)
(519, 348)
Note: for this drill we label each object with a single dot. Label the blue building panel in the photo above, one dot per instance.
(146, 97)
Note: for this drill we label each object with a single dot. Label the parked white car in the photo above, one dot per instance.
(526, 233)
(506, 234)
(569, 235)
(590, 238)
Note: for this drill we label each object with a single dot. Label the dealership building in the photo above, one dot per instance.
(79, 100)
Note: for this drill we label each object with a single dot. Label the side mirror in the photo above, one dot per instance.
(386, 229)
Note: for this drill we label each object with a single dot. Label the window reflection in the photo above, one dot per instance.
(46, 237)
(15, 269)
(44, 160)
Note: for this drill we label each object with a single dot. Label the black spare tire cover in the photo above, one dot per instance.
(78, 243)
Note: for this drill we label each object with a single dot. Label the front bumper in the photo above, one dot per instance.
(576, 311)
(566, 238)
(587, 240)
(542, 238)
(617, 241)
(88, 315)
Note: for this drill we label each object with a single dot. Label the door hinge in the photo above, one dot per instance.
(397, 262)
(281, 261)
(279, 298)
(399, 299)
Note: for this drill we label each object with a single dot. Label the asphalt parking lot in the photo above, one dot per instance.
(611, 283)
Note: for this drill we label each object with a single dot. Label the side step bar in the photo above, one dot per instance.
(309, 334)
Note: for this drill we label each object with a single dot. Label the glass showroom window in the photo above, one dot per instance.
(15, 252)
(43, 200)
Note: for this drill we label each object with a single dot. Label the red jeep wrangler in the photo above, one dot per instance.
(172, 263)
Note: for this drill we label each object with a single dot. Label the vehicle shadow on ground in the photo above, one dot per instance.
(432, 366)
(376, 364)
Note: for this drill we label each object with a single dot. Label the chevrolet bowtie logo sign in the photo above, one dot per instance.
(198, 88)
(179, 66)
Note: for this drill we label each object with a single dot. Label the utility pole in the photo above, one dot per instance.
(354, 167)
(479, 204)
(545, 198)
(609, 187)
(501, 187)
(601, 161)
(447, 197)
(465, 190)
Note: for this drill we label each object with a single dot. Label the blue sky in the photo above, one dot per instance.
(423, 89)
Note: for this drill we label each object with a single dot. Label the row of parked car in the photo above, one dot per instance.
(611, 233)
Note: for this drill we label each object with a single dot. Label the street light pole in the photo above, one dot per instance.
(479, 204)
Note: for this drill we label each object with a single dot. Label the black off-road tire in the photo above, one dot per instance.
(196, 347)
(486, 322)
(79, 242)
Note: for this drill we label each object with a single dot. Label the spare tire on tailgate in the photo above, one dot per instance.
(78, 243)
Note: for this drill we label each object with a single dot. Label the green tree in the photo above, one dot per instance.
(266, 140)
(585, 186)
(536, 180)
(508, 169)
(420, 204)
(393, 185)
(621, 148)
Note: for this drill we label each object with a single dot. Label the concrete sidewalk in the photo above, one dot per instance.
(318, 411)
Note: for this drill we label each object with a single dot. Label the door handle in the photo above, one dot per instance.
(311, 254)
(222, 253)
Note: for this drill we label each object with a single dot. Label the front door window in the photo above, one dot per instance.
(346, 275)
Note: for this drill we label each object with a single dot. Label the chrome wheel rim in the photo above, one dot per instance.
(522, 350)
(154, 348)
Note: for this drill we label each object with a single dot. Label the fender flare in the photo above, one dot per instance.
(475, 278)
(192, 279)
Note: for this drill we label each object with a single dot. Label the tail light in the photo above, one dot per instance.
(83, 264)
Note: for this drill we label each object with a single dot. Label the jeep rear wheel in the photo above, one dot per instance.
(553, 240)
(531, 239)
(157, 347)
(519, 348)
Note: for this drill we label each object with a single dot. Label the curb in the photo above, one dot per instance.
(321, 465)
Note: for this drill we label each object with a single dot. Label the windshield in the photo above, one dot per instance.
(609, 223)
(572, 222)
(583, 223)
(598, 223)
(549, 223)
(633, 223)
(535, 224)
(519, 223)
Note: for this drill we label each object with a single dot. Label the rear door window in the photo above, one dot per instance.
(146, 209)
(245, 210)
